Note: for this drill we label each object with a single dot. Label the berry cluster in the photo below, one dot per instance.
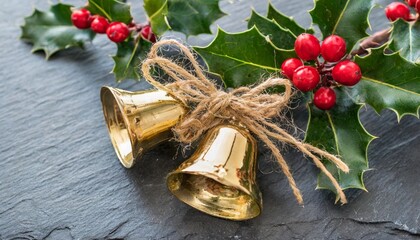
(397, 10)
(322, 76)
(116, 31)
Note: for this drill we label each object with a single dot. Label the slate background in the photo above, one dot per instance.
(60, 179)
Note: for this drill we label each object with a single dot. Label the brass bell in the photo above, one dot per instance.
(219, 178)
(138, 121)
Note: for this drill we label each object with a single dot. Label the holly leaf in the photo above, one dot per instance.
(52, 31)
(406, 39)
(189, 17)
(286, 22)
(243, 58)
(128, 59)
(113, 10)
(391, 82)
(346, 18)
(157, 10)
(339, 131)
(280, 37)
(193, 17)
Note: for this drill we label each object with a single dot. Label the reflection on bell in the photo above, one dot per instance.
(219, 178)
(138, 121)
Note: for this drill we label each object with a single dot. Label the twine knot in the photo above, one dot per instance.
(252, 107)
(223, 99)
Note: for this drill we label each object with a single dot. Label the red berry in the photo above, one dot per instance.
(146, 33)
(397, 10)
(324, 98)
(99, 24)
(347, 73)
(289, 66)
(307, 46)
(81, 18)
(333, 48)
(117, 32)
(411, 3)
(306, 78)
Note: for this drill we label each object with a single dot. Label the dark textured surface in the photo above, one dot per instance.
(60, 179)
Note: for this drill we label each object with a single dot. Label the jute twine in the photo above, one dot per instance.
(251, 106)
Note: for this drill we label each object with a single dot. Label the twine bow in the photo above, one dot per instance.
(252, 107)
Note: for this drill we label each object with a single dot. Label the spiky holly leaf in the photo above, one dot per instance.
(389, 81)
(242, 58)
(281, 38)
(189, 17)
(157, 10)
(52, 31)
(346, 18)
(286, 22)
(113, 10)
(340, 132)
(406, 39)
(128, 59)
(393, 83)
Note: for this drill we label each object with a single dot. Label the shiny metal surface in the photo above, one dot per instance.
(219, 178)
(138, 121)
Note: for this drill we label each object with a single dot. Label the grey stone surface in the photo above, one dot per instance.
(60, 179)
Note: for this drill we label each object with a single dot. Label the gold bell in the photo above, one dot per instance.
(219, 178)
(138, 121)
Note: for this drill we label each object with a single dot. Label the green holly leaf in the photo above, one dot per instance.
(52, 31)
(340, 132)
(193, 17)
(157, 10)
(286, 22)
(128, 59)
(346, 18)
(243, 58)
(189, 17)
(406, 39)
(280, 37)
(389, 81)
(393, 83)
(113, 10)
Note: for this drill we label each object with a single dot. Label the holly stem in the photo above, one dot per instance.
(326, 71)
(319, 66)
(326, 79)
(137, 26)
